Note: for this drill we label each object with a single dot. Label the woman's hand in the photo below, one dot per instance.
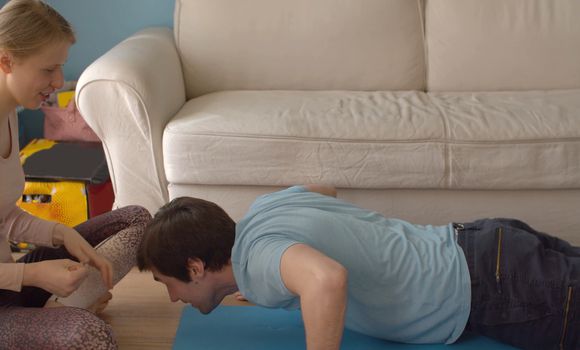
(76, 245)
(60, 277)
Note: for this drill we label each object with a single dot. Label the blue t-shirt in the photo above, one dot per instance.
(406, 282)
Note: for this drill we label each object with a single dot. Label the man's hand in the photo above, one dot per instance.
(60, 277)
(239, 296)
(77, 246)
(322, 189)
(321, 283)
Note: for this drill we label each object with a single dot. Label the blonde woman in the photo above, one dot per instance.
(66, 269)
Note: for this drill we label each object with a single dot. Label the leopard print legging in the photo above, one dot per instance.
(25, 324)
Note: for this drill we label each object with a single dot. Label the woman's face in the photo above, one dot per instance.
(32, 79)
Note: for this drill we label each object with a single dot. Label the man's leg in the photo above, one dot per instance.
(549, 241)
(520, 287)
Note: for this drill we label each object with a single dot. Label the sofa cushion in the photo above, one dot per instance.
(527, 140)
(300, 45)
(493, 45)
(507, 140)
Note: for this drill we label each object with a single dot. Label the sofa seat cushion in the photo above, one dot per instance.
(509, 140)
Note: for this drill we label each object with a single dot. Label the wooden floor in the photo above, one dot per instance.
(142, 315)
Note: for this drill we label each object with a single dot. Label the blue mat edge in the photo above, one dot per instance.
(283, 327)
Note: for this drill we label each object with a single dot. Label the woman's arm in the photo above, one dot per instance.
(21, 226)
(76, 245)
(60, 277)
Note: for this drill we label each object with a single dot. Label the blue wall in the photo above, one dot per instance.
(99, 25)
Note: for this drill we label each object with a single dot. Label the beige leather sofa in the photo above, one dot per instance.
(432, 111)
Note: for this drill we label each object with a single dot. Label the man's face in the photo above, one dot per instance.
(199, 292)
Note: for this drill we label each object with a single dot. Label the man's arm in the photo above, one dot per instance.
(322, 189)
(321, 284)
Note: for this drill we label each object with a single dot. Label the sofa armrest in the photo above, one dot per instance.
(127, 96)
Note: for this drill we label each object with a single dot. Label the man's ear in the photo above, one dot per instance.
(196, 267)
(6, 61)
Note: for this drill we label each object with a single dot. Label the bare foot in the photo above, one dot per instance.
(101, 303)
(52, 303)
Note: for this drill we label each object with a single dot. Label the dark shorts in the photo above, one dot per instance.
(524, 284)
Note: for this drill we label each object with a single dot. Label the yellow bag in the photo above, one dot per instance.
(62, 201)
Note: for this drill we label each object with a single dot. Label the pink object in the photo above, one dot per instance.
(66, 124)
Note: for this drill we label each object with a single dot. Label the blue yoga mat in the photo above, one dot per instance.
(256, 328)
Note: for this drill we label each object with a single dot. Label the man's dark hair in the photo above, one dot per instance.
(187, 228)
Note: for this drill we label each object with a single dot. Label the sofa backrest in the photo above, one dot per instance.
(491, 45)
(300, 44)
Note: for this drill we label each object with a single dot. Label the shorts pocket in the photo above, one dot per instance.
(503, 311)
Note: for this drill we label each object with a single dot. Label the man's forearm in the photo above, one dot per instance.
(323, 317)
(321, 283)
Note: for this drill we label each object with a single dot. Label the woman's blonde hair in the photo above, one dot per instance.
(26, 26)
